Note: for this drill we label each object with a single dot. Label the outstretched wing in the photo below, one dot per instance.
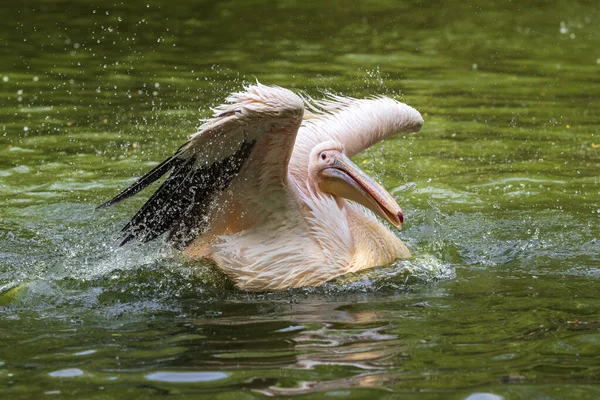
(258, 124)
(357, 123)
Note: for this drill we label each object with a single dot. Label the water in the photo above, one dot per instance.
(500, 190)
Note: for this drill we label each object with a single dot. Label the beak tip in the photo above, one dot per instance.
(400, 217)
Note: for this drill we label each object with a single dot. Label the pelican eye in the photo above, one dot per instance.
(323, 156)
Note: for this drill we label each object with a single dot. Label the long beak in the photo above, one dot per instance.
(344, 179)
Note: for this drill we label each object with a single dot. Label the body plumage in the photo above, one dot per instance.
(266, 189)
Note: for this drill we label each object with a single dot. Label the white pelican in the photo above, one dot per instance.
(262, 189)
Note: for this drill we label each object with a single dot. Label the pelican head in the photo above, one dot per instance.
(338, 176)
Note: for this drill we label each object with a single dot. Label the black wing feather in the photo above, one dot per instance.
(201, 192)
(143, 182)
(155, 215)
(181, 204)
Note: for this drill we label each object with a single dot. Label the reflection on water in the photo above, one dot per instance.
(500, 190)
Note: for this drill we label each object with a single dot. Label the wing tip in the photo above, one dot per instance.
(126, 240)
(145, 181)
(107, 204)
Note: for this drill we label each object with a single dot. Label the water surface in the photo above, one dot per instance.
(501, 193)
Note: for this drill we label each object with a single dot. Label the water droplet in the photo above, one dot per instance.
(563, 28)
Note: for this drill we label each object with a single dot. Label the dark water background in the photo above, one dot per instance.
(501, 192)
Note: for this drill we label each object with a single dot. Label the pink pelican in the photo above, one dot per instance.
(266, 189)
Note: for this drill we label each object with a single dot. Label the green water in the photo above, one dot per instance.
(501, 193)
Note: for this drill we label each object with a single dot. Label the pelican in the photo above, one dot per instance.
(266, 189)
